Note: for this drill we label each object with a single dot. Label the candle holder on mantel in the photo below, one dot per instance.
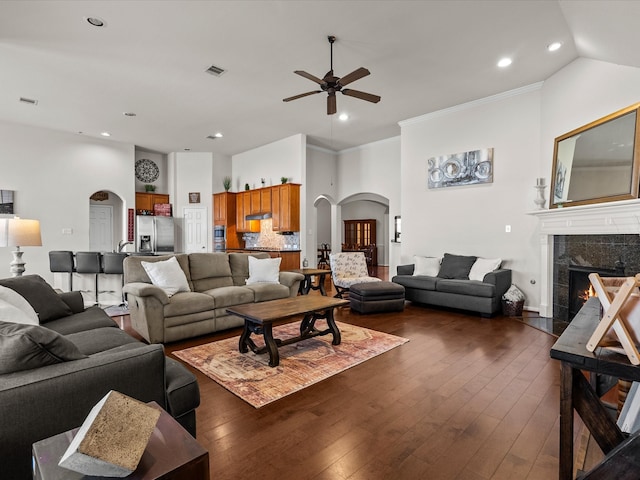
(540, 200)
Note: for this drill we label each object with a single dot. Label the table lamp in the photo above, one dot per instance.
(19, 232)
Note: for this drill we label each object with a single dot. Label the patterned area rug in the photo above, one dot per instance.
(301, 364)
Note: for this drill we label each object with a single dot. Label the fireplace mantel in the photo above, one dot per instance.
(598, 219)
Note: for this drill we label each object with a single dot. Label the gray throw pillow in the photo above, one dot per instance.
(23, 347)
(456, 266)
(42, 297)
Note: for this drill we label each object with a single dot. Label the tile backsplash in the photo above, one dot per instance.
(267, 238)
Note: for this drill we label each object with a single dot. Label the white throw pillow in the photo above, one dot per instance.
(16, 300)
(12, 314)
(482, 266)
(167, 275)
(264, 270)
(429, 266)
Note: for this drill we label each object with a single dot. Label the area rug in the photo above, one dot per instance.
(250, 377)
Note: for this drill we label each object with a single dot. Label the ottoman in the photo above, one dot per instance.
(377, 297)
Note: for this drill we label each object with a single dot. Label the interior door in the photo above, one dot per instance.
(195, 229)
(101, 228)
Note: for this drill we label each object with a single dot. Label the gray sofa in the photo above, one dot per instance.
(52, 374)
(484, 297)
(216, 282)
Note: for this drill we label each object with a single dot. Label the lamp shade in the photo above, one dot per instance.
(23, 232)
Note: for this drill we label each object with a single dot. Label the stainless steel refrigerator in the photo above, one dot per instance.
(155, 234)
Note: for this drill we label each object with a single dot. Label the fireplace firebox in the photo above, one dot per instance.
(580, 288)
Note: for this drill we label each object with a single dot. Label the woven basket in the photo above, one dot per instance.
(512, 309)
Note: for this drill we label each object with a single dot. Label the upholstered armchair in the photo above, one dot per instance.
(348, 269)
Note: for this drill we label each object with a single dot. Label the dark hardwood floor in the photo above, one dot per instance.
(466, 398)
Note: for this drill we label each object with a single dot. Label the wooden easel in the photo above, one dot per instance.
(621, 312)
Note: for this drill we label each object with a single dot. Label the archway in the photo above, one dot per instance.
(106, 221)
(367, 205)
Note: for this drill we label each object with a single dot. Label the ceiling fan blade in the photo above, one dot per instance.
(295, 97)
(331, 104)
(313, 78)
(353, 76)
(369, 97)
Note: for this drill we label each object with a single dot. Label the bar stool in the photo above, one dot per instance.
(61, 261)
(112, 264)
(89, 262)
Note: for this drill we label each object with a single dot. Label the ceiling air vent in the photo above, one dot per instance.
(29, 101)
(213, 70)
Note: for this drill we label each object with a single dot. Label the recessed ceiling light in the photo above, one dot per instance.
(96, 22)
(129, 114)
(344, 117)
(552, 47)
(105, 134)
(504, 62)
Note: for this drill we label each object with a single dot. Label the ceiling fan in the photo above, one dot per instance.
(332, 84)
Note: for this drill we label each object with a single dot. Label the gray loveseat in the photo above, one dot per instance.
(216, 282)
(52, 374)
(451, 289)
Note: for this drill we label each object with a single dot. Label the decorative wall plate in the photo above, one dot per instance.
(146, 170)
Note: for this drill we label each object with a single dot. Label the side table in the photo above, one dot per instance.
(170, 453)
(307, 284)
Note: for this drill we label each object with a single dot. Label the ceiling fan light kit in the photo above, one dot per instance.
(332, 84)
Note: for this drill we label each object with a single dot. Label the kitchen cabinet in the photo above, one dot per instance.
(224, 208)
(285, 207)
(224, 213)
(146, 201)
(243, 208)
(265, 200)
(255, 202)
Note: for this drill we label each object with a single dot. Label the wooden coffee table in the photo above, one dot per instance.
(259, 319)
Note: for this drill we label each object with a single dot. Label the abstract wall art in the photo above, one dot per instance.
(467, 168)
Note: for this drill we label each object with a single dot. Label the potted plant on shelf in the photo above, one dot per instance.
(226, 183)
(284, 180)
(149, 188)
(246, 186)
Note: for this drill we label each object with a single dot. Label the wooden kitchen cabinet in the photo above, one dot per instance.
(224, 208)
(255, 202)
(243, 208)
(146, 201)
(285, 207)
(290, 260)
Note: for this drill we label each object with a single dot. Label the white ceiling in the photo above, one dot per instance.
(151, 57)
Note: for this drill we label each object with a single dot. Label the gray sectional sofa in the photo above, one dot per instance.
(453, 289)
(52, 374)
(216, 281)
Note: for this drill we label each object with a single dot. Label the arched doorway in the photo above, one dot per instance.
(106, 221)
(369, 206)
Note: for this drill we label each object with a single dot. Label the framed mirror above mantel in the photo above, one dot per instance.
(598, 162)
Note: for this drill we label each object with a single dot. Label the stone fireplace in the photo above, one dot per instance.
(602, 237)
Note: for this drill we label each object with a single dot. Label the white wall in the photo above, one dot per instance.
(191, 172)
(580, 93)
(321, 181)
(160, 159)
(271, 162)
(471, 220)
(53, 175)
(375, 168)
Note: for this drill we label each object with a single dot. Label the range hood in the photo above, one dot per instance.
(258, 216)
